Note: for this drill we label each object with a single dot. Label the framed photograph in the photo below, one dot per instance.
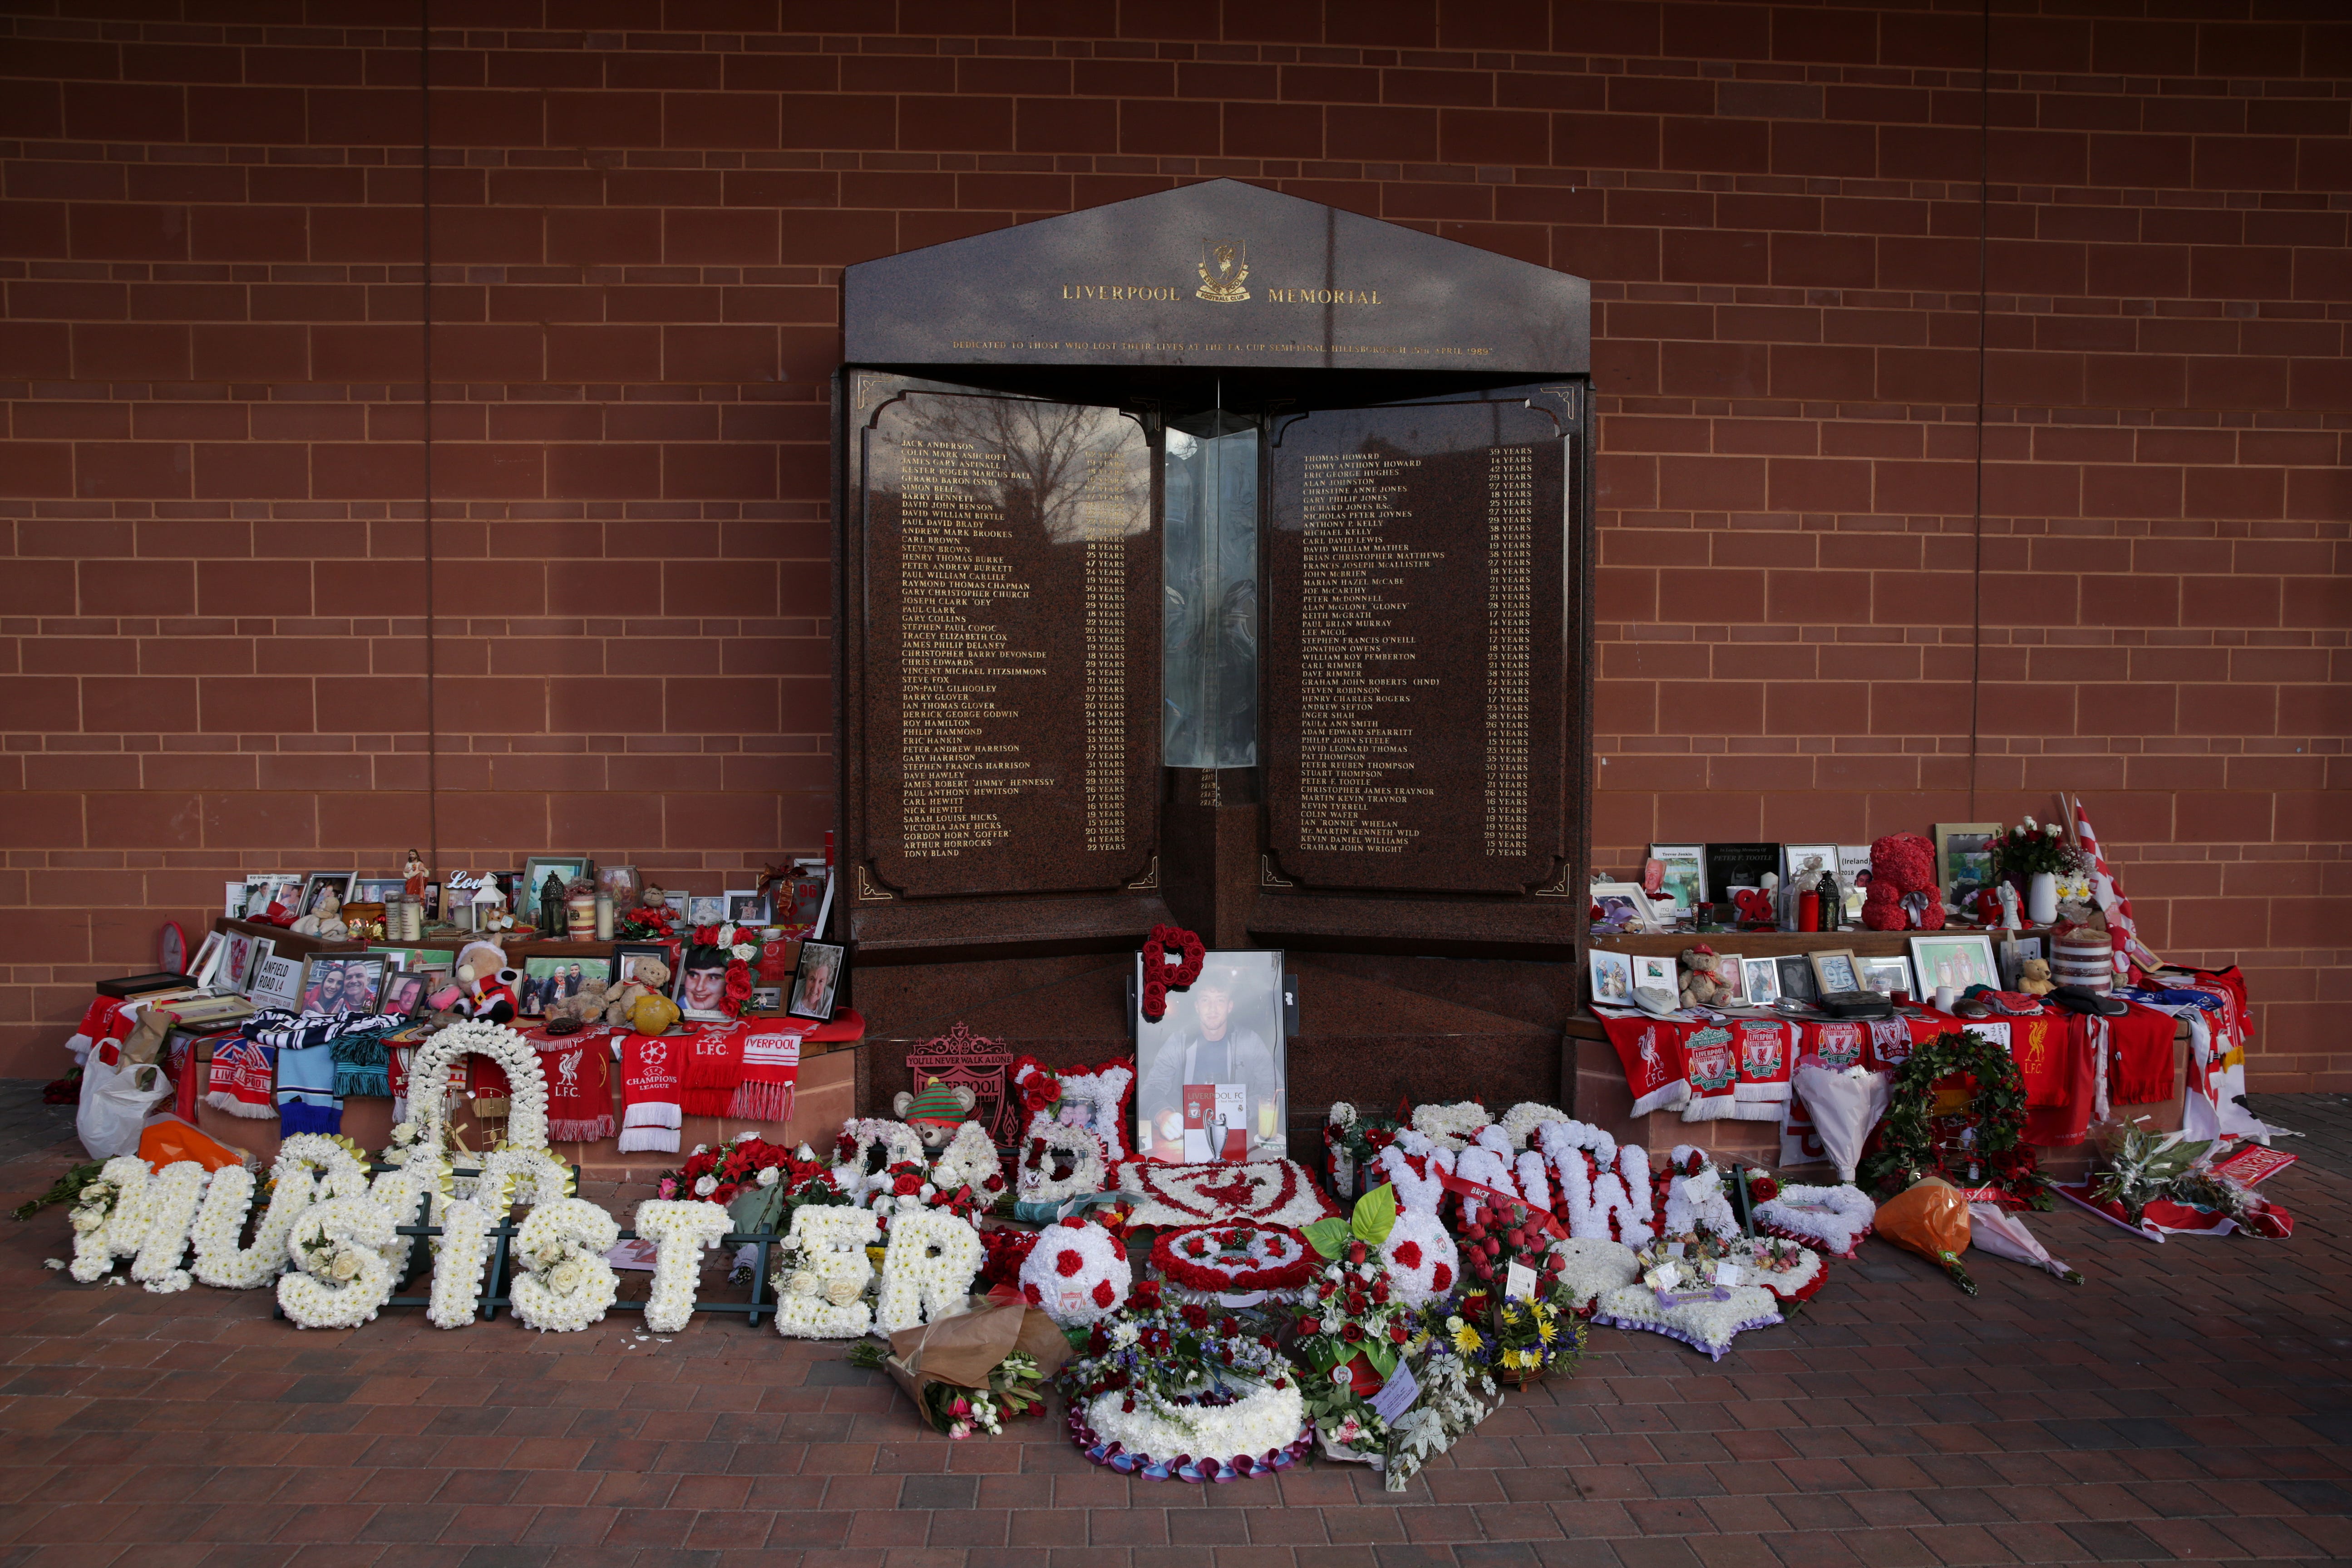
(1210, 1072)
(705, 908)
(378, 890)
(1957, 958)
(1835, 970)
(1801, 866)
(1854, 879)
(1760, 979)
(1887, 976)
(1623, 906)
(523, 900)
(1686, 875)
(1612, 977)
(1796, 978)
(237, 959)
(1731, 866)
(316, 884)
(343, 982)
(818, 981)
(276, 982)
(767, 998)
(1731, 973)
(403, 993)
(2012, 952)
(680, 905)
(547, 981)
(621, 884)
(628, 955)
(1658, 971)
(233, 899)
(748, 908)
(207, 959)
(1964, 858)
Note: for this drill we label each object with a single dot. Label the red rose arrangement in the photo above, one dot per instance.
(647, 922)
(1506, 1233)
(732, 1168)
(1159, 976)
(731, 939)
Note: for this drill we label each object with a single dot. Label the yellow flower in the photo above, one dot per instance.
(1465, 1338)
(1547, 1329)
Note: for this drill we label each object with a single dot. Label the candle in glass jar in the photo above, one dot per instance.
(603, 917)
(580, 916)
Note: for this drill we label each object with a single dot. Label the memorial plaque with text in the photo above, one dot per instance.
(1012, 684)
(1417, 672)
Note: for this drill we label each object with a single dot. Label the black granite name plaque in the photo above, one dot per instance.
(1416, 682)
(1011, 688)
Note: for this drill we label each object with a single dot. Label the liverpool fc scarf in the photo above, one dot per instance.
(651, 1070)
(1711, 1060)
(714, 1067)
(771, 1069)
(1764, 1064)
(241, 1075)
(1650, 1049)
(579, 1073)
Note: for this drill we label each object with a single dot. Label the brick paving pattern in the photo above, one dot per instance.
(27, 1124)
(2191, 1403)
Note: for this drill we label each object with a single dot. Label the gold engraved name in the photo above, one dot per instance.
(1116, 291)
(1322, 296)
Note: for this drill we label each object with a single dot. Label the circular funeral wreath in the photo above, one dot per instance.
(1903, 1149)
(1221, 1259)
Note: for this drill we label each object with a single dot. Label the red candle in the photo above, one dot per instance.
(1809, 912)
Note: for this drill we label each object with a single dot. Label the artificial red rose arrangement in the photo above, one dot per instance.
(1160, 976)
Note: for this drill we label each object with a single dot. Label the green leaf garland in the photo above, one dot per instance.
(1903, 1149)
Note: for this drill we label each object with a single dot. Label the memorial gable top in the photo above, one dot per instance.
(1217, 274)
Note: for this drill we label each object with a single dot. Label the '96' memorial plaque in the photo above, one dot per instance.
(1012, 579)
(1417, 672)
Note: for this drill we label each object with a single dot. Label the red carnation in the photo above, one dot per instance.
(1104, 1295)
(1441, 1278)
(1069, 1262)
(1408, 1254)
(1196, 1315)
(1035, 1298)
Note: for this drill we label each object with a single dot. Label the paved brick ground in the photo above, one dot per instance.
(2191, 1403)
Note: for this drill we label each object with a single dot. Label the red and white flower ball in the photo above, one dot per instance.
(1076, 1273)
(1422, 1260)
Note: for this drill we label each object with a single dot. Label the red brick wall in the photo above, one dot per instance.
(211, 362)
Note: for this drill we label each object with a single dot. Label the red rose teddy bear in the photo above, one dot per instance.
(1902, 895)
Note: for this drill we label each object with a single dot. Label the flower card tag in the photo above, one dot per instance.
(1518, 1282)
(1730, 1274)
(1397, 1395)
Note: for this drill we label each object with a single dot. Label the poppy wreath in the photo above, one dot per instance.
(1221, 1259)
(1160, 976)
(1902, 1149)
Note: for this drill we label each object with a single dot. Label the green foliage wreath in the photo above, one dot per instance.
(1902, 1149)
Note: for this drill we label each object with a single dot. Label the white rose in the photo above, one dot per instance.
(842, 1292)
(804, 1283)
(768, 1177)
(87, 1220)
(705, 1188)
(345, 1268)
(744, 951)
(702, 1148)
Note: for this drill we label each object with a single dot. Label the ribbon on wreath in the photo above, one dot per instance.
(1489, 1197)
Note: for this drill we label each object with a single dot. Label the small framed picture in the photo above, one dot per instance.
(1612, 977)
(701, 988)
(1854, 879)
(1796, 977)
(1686, 875)
(318, 884)
(1760, 979)
(748, 908)
(818, 980)
(237, 961)
(403, 993)
(1624, 907)
(377, 889)
(343, 982)
(628, 959)
(705, 908)
(1657, 972)
(1886, 976)
(767, 998)
(1833, 970)
(207, 959)
(1957, 958)
(1731, 973)
(1963, 859)
(548, 980)
(565, 868)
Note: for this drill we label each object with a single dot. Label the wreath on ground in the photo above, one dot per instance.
(1902, 1149)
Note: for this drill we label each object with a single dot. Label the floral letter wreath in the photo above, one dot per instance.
(566, 1284)
(173, 1194)
(1077, 1273)
(681, 1233)
(1903, 1149)
(824, 1298)
(928, 1271)
(1835, 1219)
(110, 1218)
(1159, 976)
(899, 1147)
(1035, 1179)
(341, 1276)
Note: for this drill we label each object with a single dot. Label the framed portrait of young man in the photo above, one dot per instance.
(1210, 1078)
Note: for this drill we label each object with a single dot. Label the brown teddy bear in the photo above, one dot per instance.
(2033, 977)
(936, 1113)
(1700, 986)
(639, 1003)
(586, 1005)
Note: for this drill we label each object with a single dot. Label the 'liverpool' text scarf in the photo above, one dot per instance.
(771, 1069)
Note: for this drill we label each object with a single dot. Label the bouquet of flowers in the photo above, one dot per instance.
(1448, 1407)
(1525, 1339)
(974, 1372)
(646, 923)
(757, 1182)
(1504, 1235)
(2030, 849)
(1015, 1388)
(1181, 1393)
(1352, 1142)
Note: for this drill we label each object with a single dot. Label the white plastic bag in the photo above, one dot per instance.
(116, 1097)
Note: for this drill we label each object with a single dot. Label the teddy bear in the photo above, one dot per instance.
(936, 1113)
(1902, 895)
(483, 987)
(1700, 986)
(586, 1005)
(2033, 977)
(639, 1001)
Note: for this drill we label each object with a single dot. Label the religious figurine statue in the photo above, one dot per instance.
(415, 871)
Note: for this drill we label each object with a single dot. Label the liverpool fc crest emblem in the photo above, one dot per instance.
(1224, 267)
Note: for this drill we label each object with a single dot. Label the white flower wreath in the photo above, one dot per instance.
(1833, 1218)
(565, 1283)
(1077, 1273)
(1423, 1261)
(824, 1296)
(341, 1277)
(1047, 1138)
(173, 1196)
(1581, 1157)
(926, 1273)
(1103, 1094)
(969, 1159)
(682, 1232)
(1697, 1205)
(309, 1167)
(526, 1084)
(1519, 1122)
(1262, 1421)
(1450, 1126)
(110, 1218)
(1704, 1324)
(1591, 1264)
(459, 1265)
